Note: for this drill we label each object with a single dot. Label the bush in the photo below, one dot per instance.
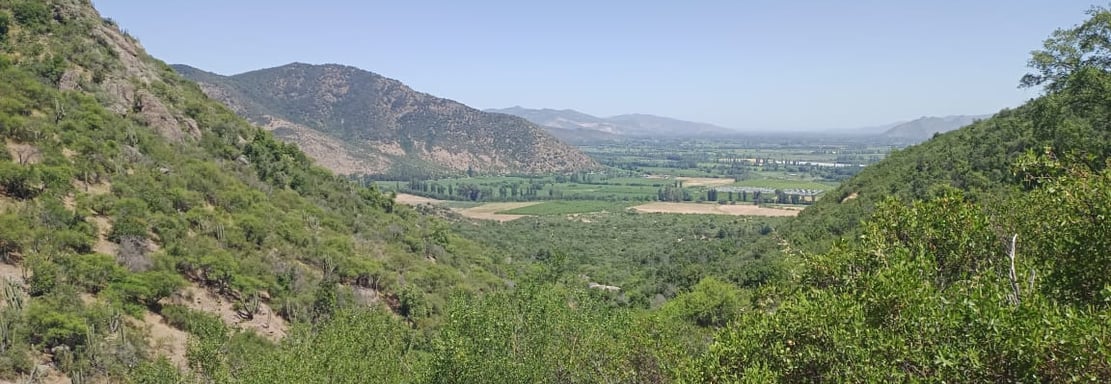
(53, 324)
(5, 21)
(33, 14)
(201, 324)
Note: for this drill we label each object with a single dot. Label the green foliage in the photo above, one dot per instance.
(652, 257)
(31, 14)
(710, 303)
(145, 288)
(353, 346)
(537, 334)
(1070, 51)
(56, 320)
(1067, 227)
(412, 303)
(44, 276)
(868, 312)
(159, 371)
(200, 324)
(5, 24)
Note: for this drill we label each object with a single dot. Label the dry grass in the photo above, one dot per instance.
(24, 154)
(166, 340)
(713, 209)
(850, 197)
(407, 199)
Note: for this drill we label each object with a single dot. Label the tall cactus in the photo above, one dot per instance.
(13, 295)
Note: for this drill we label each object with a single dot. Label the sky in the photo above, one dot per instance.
(749, 65)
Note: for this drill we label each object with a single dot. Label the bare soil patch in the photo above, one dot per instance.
(23, 153)
(166, 340)
(102, 188)
(713, 209)
(12, 272)
(850, 197)
(407, 199)
(266, 323)
(103, 227)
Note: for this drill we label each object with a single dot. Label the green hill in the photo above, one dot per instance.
(124, 191)
(354, 121)
(150, 235)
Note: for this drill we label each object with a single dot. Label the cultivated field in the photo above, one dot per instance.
(488, 211)
(705, 181)
(714, 209)
(407, 199)
(566, 207)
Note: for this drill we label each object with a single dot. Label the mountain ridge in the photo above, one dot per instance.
(924, 127)
(380, 125)
(633, 124)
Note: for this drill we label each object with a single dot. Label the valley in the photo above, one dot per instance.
(323, 223)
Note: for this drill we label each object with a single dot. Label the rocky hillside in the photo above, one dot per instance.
(355, 121)
(141, 222)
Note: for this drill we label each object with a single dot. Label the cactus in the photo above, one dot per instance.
(248, 308)
(13, 294)
(114, 322)
(78, 377)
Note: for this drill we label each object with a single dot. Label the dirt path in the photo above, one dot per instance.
(714, 209)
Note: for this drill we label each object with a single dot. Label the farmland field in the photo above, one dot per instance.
(568, 207)
(714, 209)
(742, 172)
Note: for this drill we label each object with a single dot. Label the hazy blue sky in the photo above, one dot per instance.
(745, 64)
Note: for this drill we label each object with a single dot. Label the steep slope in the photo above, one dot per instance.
(355, 121)
(626, 125)
(924, 127)
(979, 159)
(125, 191)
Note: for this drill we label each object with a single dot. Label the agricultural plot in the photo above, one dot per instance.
(480, 211)
(714, 209)
(767, 170)
(551, 208)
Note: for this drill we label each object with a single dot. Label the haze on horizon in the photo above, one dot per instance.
(797, 65)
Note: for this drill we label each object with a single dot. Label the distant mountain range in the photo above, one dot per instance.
(923, 128)
(358, 122)
(571, 124)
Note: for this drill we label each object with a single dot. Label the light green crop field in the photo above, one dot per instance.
(567, 207)
(783, 184)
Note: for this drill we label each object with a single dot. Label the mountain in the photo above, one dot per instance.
(567, 119)
(148, 234)
(623, 125)
(141, 220)
(924, 127)
(355, 121)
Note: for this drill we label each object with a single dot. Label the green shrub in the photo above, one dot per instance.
(200, 324)
(33, 14)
